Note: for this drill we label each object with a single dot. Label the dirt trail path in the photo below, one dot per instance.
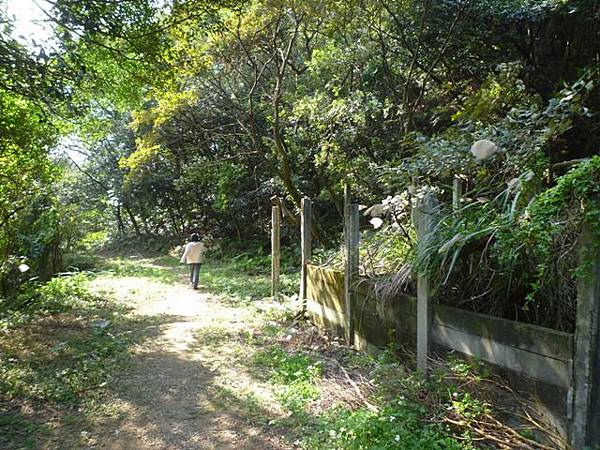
(185, 388)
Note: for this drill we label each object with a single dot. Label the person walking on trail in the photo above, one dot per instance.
(193, 256)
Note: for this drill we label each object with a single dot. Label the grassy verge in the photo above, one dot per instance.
(336, 398)
(162, 269)
(235, 280)
(61, 347)
(341, 400)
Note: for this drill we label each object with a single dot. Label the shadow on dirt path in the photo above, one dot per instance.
(180, 393)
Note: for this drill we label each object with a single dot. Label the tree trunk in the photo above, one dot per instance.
(134, 223)
(286, 166)
(119, 219)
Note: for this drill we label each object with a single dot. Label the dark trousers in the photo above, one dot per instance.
(195, 274)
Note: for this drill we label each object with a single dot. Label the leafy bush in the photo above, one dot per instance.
(509, 247)
(515, 254)
(60, 294)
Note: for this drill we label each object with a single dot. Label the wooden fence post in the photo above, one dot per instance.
(586, 366)
(424, 220)
(275, 249)
(306, 245)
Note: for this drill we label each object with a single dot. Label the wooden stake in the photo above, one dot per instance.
(306, 244)
(275, 249)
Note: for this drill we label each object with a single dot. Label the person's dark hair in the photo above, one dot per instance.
(194, 237)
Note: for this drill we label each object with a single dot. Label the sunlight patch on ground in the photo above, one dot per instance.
(150, 297)
(179, 337)
(184, 388)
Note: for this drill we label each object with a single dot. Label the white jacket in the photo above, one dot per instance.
(194, 253)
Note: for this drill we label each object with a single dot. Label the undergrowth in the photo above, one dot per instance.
(401, 419)
(60, 294)
(60, 347)
(514, 253)
(508, 249)
(336, 398)
(397, 426)
(398, 415)
(245, 277)
(295, 375)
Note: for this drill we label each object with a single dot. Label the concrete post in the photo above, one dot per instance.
(585, 430)
(352, 239)
(424, 221)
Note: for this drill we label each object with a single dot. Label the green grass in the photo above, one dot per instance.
(399, 425)
(163, 269)
(408, 408)
(246, 403)
(19, 432)
(236, 280)
(75, 357)
(61, 353)
(295, 375)
(34, 300)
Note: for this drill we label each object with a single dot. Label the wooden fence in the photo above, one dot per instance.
(561, 370)
(543, 356)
